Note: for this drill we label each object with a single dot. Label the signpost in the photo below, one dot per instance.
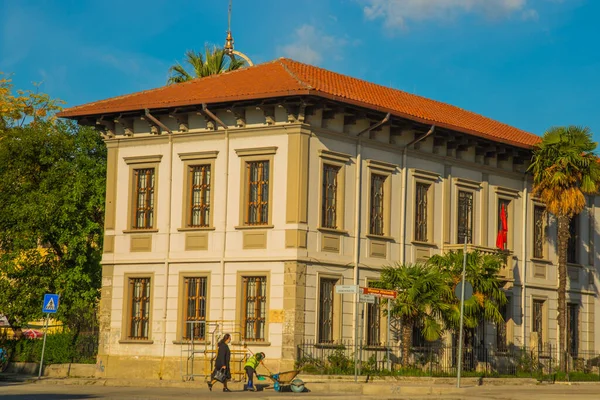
(366, 298)
(345, 289)
(50, 306)
(352, 289)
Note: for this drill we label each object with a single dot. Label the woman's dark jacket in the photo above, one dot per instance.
(223, 357)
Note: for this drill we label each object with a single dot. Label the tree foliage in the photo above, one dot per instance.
(214, 61)
(426, 294)
(52, 184)
(565, 169)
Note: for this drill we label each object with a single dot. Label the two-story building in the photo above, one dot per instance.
(240, 200)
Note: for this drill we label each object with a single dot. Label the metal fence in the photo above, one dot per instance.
(440, 360)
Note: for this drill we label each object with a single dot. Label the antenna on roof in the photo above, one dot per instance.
(229, 42)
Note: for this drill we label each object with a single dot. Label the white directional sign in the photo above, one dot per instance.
(341, 289)
(366, 298)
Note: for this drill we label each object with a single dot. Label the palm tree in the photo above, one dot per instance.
(214, 61)
(482, 272)
(421, 290)
(564, 169)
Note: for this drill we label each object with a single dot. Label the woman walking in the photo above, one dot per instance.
(222, 362)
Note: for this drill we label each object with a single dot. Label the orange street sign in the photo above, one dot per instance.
(383, 293)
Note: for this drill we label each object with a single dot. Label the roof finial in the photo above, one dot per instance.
(229, 42)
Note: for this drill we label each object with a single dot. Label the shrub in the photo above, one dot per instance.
(61, 348)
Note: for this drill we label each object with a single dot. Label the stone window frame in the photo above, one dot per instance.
(511, 196)
(467, 185)
(545, 256)
(181, 305)
(138, 163)
(339, 160)
(240, 301)
(252, 155)
(427, 178)
(386, 170)
(191, 160)
(336, 334)
(126, 314)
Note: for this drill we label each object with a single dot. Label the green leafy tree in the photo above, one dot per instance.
(214, 61)
(482, 272)
(52, 184)
(422, 291)
(564, 169)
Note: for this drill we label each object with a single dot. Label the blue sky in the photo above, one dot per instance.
(530, 63)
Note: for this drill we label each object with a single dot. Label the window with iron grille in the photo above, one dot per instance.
(329, 200)
(573, 238)
(199, 196)
(139, 308)
(254, 297)
(377, 198)
(418, 339)
(422, 190)
(501, 337)
(538, 321)
(195, 308)
(573, 329)
(539, 235)
(144, 198)
(326, 288)
(257, 206)
(465, 217)
(373, 323)
(506, 204)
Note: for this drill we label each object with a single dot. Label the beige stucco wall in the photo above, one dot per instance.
(326, 253)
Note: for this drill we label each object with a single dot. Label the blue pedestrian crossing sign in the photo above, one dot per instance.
(50, 303)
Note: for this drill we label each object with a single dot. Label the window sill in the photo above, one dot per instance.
(136, 341)
(188, 342)
(386, 238)
(140, 231)
(576, 265)
(249, 227)
(424, 244)
(331, 230)
(252, 343)
(541, 260)
(202, 228)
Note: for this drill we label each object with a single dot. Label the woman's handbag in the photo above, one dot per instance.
(220, 375)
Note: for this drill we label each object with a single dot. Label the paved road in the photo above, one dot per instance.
(31, 391)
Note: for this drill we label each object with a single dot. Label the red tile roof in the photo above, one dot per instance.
(284, 77)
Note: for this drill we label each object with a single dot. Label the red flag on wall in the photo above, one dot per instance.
(502, 238)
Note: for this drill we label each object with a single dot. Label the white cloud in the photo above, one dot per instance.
(396, 13)
(311, 46)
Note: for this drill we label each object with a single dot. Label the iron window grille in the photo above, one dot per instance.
(329, 200)
(200, 196)
(538, 322)
(257, 207)
(572, 243)
(254, 307)
(144, 195)
(501, 333)
(465, 217)
(373, 324)
(326, 288)
(538, 232)
(139, 324)
(422, 190)
(377, 198)
(195, 308)
(573, 329)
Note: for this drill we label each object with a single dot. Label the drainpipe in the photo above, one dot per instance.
(525, 241)
(168, 250)
(405, 191)
(225, 202)
(357, 219)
